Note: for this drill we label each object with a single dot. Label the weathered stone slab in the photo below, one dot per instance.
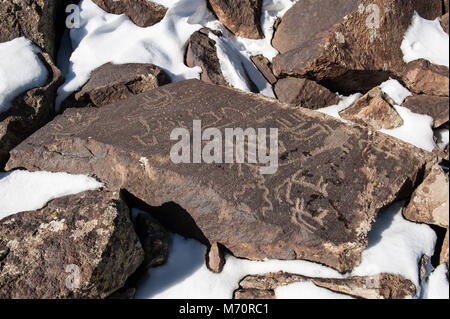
(241, 17)
(79, 246)
(382, 286)
(434, 106)
(430, 201)
(423, 77)
(347, 45)
(265, 67)
(375, 109)
(143, 13)
(319, 205)
(110, 83)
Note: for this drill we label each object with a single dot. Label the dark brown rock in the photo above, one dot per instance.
(383, 286)
(446, 6)
(434, 106)
(202, 52)
(375, 109)
(430, 201)
(311, 208)
(304, 93)
(29, 111)
(110, 83)
(264, 66)
(143, 13)
(33, 19)
(79, 246)
(444, 22)
(241, 17)
(154, 239)
(215, 260)
(342, 44)
(423, 77)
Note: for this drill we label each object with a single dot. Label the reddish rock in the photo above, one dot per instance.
(430, 201)
(383, 286)
(342, 43)
(79, 246)
(422, 77)
(304, 93)
(215, 260)
(110, 83)
(143, 13)
(375, 109)
(29, 111)
(264, 66)
(444, 22)
(434, 106)
(310, 208)
(241, 17)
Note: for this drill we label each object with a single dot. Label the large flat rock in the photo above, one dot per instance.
(332, 177)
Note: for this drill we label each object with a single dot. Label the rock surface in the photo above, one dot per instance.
(143, 13)
(444, 251)
(434, 106)
(264, 66)
(444, 22)
(215, 259)
(375, 109)
(430, 201)
(422, 77)
(154, 239)
(80, 246)
(311, 208)
(33, 19)
(241, 17)
(304, 93)
(110, 83)
(343, 43)
(29, 111)
(383, 286)
(202, 52)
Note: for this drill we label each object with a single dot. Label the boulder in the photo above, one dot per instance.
(299, 204)
(114, 82)
(346, 45)
(423, 77)
(383, 286)
(444, 22)
(265, 67)
(375, 109)
(143, 13)
(215, 260)
(434, 106)
(304, 93)
(201, 51)
(29, 111)
(36, 20)
(430, 201)
(79, 246)
(241, 17)
(154, 239)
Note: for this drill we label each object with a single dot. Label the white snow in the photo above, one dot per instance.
(442, 136)
(437, 284)
(20, 70)
(344, 102)
(395, 90)
(395, 245)
(307, 290)
(23, 191)
(425, 39)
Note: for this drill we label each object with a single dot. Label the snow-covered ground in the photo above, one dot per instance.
(395, 245)
(20, 70)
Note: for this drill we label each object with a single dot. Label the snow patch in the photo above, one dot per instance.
(425, 39)
(20, 70)
(437, 284)
(395, 90)
(23, 191)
